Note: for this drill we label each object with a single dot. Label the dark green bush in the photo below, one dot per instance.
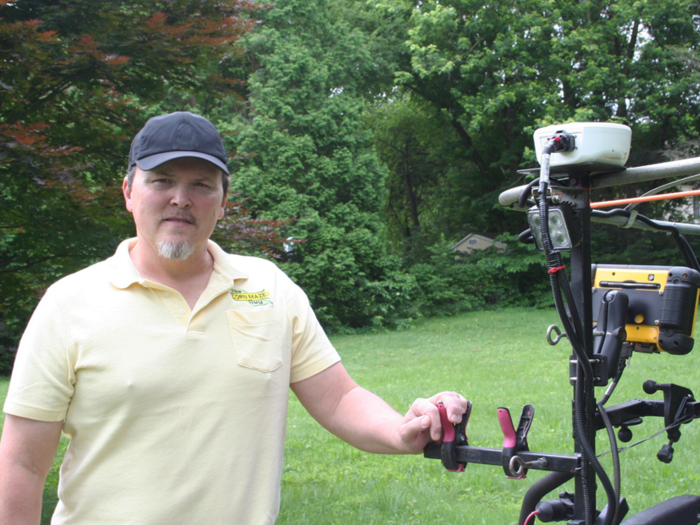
(452, 282)
(7, 351)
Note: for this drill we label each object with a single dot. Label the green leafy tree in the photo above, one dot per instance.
(77, 78)
(305, 154)
(426, 167)
(498, 71)
(504, 68)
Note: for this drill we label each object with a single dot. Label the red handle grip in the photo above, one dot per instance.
(448, 429)
(509, 438)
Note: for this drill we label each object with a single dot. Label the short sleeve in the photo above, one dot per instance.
(43, 375)
(312, 351)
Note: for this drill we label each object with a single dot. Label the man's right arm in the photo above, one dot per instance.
(27, 449)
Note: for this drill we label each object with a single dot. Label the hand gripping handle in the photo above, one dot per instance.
(451, 438)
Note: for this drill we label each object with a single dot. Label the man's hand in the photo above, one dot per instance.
(365, 421)
(422, 421)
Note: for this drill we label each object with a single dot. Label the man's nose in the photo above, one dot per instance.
(181, 196)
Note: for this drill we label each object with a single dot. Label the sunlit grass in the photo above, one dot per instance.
(496, 359)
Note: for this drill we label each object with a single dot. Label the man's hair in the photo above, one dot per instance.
(225, 179)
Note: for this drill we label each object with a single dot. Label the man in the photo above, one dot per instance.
(169, 365)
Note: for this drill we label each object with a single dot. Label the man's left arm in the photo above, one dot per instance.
(367, 422)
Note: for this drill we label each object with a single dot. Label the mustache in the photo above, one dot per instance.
(182, 215)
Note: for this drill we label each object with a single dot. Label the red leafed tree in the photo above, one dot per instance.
(241, 232)
(78, 78)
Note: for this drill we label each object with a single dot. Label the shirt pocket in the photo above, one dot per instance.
(256, 339)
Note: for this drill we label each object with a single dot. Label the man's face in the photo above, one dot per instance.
(178, 203)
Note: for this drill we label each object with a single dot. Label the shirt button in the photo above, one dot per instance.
(182, 310)
(166, 294)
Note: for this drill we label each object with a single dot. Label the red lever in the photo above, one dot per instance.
(448, 429)
(509, 437)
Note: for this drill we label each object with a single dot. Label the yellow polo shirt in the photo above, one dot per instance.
(175, 416)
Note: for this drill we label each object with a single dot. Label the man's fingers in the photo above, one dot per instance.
(413, 428)
(422, 422)
(427, 412)
(455, 404)
(456, 410)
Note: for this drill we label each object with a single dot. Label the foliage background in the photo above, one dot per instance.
(366, 137)
(78, 80)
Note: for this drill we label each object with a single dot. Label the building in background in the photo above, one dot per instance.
(475, 241)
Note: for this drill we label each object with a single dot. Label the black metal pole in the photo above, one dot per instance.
(581, 286)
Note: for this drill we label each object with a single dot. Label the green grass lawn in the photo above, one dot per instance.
(495, 359)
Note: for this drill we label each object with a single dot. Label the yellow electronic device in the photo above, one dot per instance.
(663, 304)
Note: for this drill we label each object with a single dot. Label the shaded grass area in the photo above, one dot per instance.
(496, 358)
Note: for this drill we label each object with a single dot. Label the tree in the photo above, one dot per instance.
(497, 71)
(421, 152)
(306, 154)
(77, 78)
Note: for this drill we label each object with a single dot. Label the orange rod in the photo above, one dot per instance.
(664, 196)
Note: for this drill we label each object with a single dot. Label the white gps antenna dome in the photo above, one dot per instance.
(595, 143)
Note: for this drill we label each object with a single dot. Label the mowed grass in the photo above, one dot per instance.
(497, 358)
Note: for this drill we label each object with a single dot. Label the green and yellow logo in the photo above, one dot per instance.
(255, 299)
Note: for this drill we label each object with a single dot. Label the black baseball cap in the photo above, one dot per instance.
(177, 135)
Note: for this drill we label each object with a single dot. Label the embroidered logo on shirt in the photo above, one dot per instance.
(254, 299)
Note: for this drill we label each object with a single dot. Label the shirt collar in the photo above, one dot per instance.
(224, 262)
(124, 273)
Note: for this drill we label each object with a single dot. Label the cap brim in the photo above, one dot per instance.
(154, 161)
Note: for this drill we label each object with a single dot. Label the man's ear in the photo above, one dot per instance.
(127, 194)
(224, 203)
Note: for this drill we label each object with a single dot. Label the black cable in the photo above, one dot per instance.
(690, 253)
(526, 237)
(602, 326)
(620, 369)
(571, 304)
(683, 244)
(584, 382)
(539, 489)
(615, 458)
(589, 454)
(656, 434)
(523, 199)
(582, 438)
(555, 266)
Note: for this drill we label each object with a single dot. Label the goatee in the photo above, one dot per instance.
(175, 250)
